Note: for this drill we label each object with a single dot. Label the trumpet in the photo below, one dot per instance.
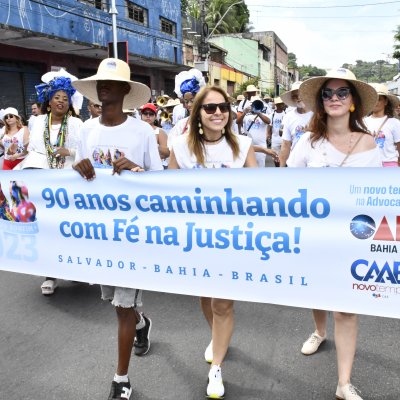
(166, 117)
(162, 100)
(257, 106)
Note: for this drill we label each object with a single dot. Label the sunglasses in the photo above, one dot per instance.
(148, 114)
(341, 93)
(212, 107)
(96, 105)
(9, 116)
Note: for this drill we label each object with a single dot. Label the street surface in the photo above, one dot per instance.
(64, 347)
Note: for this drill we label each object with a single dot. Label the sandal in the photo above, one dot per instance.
(48, 287)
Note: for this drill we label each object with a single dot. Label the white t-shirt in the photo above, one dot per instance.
(133, 139)
(294, 125)
(323, 154)
(178, 113)
(216, 155)
(17, 139)
(257, 132)
(276, 121)
(386, 136)
(179, 129)
(36, 141)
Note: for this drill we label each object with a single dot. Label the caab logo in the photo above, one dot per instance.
(363, 227)
(388, 272)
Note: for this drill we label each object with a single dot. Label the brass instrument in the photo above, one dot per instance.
(257, 106)
(166, 117)
(162, 101)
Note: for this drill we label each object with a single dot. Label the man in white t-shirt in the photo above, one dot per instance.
(294, 123)
(274, 129)
(119, 142)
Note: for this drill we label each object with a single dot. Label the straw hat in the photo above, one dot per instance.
(310, 88)
(278, 100)
(383, 90)
(252, 88)
(172, 103)
(113, 69)
(287, 97)
(240, 97)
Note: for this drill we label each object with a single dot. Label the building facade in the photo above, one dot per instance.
(38, 36)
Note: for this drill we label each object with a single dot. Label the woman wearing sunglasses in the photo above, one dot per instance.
(211, 143)
(337, 138)
(384, 126)
(14, 140)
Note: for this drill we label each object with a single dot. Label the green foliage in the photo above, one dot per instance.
(292, 60)
(243, 86)
(307, 71)
(396, 53)
(377, 71)
(218, 13)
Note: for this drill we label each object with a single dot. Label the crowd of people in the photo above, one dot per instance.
(328, 121)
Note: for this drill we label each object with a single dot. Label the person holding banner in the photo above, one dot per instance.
(211, 143)
(337, 137)
(54, 136)
(132, 146)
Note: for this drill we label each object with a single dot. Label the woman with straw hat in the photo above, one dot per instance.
(384, 126)
(337, 138)
(15, 139)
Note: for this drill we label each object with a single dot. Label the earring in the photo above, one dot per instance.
(352, 108)
(200, 128)
(223, 131)
(48, 109)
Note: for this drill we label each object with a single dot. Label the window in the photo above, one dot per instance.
(99, 4)
(168, 27)
(137, 13)
(266, 54)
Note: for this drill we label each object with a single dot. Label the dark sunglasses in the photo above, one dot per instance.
(9, 116)
(212, 107)
(148, 114)
(342, 93)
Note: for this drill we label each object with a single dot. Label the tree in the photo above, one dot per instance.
(292, 60)
(376, 71)
(396, 53)
(307, 71)
(221, 13)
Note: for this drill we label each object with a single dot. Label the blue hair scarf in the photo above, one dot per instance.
(190, 85)
(46, 91)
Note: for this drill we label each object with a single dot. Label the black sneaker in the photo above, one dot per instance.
(122, 390)
(141, 345)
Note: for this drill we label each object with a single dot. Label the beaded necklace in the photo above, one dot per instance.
(53, 161)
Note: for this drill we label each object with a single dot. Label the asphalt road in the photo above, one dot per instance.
(64, 347)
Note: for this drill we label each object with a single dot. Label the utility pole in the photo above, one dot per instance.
(114, 12)
(204, 33)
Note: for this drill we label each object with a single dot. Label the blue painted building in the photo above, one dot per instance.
(39, 35)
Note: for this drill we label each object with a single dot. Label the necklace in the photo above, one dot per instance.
(55, 162)
(213, 141)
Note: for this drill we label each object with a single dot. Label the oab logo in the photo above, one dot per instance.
(364, 227)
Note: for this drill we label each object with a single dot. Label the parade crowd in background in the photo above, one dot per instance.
(328, 121)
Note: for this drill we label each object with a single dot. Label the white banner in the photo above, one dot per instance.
(318, 238)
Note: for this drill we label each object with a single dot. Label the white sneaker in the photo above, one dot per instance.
(347, 392)
(311, 345)
(208, 354)
(215, 388)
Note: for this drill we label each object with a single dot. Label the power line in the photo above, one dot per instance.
(317, 7)
(336, 17)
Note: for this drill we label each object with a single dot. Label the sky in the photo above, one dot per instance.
(329, 33)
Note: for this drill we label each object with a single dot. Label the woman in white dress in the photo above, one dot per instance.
(211, 143)
(337, 138)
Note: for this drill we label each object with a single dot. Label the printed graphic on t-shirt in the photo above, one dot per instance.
(211, 164)
(104, 157)
(299, 131)
(380, 139)
(7, 142)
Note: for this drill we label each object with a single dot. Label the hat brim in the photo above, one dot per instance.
(137, 96)
(308, 92)
(394, 100)
(287, 98)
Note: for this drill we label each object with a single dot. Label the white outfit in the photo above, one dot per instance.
(18, 139)
(323, 154)
(216, 155)
(179, 129)
(243, 104)
(257, 132)
(386, 136)
(294, 125)
(178, 113)
(36, 142)
(133, 139)
(31, 121)
(276, 122)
